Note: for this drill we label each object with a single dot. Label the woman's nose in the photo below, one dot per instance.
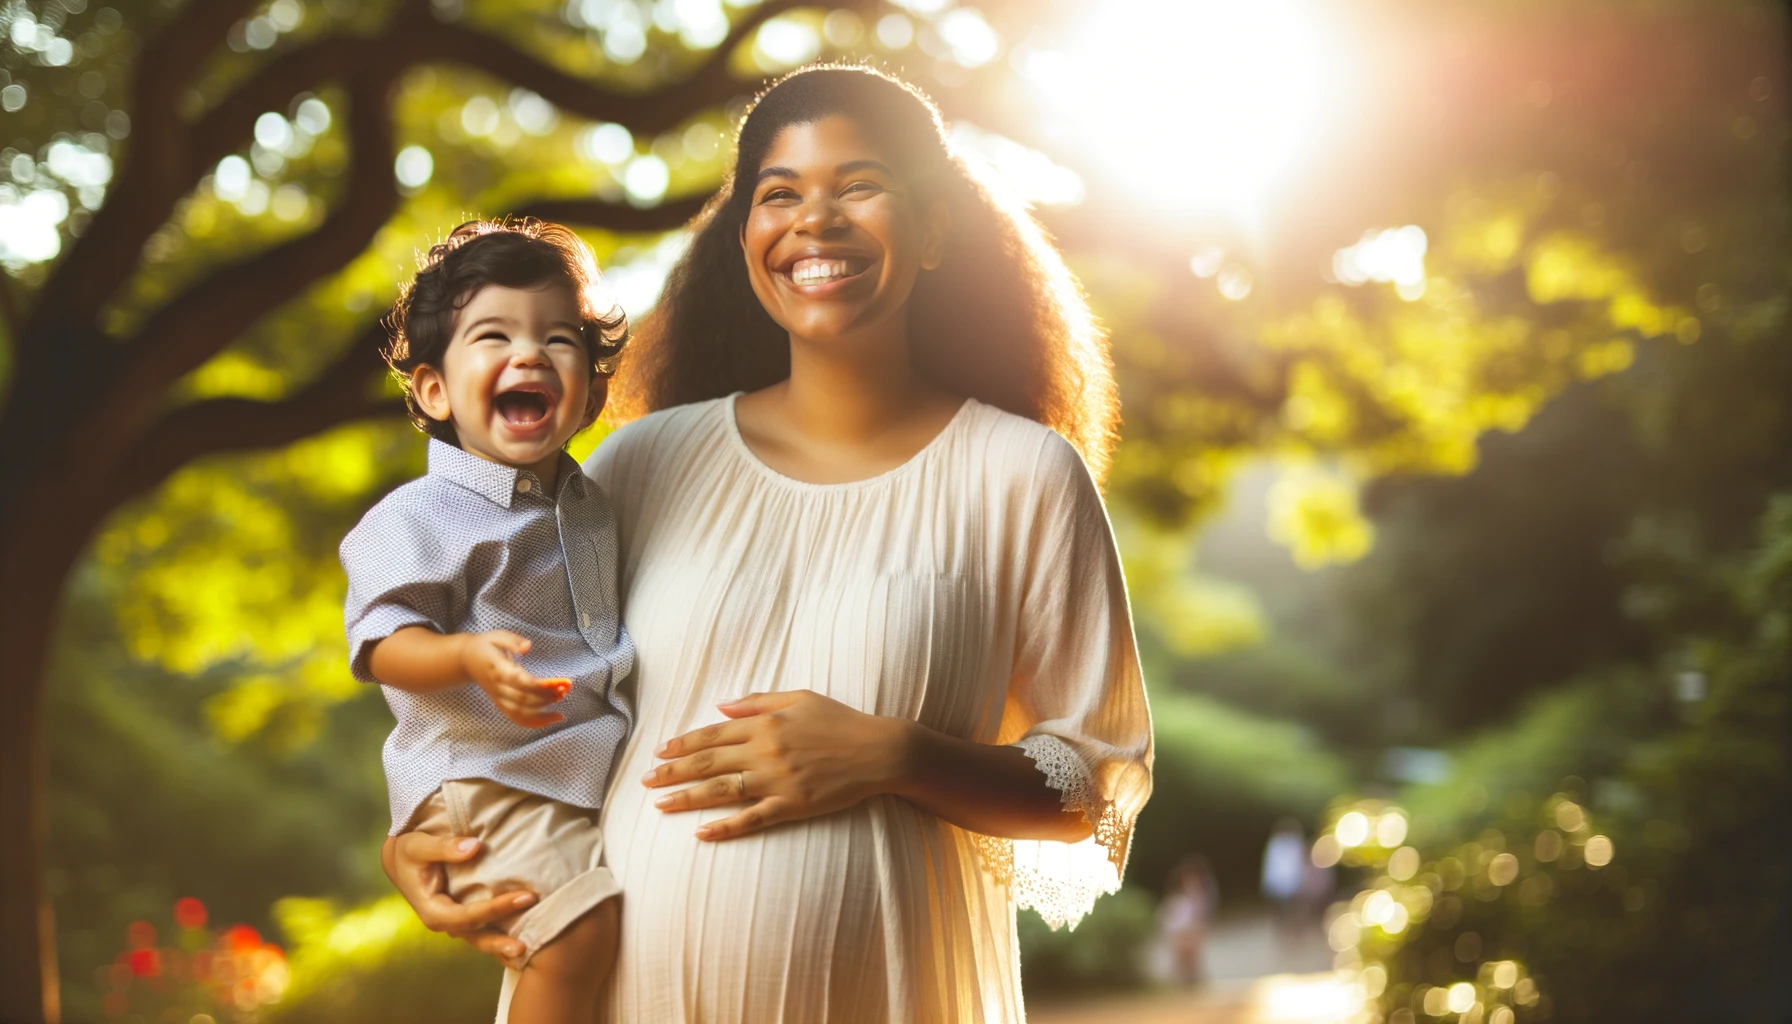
(819, 216)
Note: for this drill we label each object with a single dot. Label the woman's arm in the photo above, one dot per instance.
(413, 862)
(799, 754)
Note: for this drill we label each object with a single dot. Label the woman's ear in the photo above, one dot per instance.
(429, 389)
(936, 229)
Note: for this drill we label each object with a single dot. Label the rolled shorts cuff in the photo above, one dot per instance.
(543, 923)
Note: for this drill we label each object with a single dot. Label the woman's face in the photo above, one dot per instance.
(834, 238)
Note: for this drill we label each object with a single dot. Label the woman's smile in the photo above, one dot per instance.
(821, 273)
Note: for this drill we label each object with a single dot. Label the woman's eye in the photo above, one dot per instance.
(778, 195)
(862, 188)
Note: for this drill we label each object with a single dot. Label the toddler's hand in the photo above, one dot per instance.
(488, 660)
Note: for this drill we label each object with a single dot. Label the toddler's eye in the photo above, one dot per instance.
(561, 339)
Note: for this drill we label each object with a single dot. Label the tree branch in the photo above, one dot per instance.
(595, 213)
(342, 393)
(642, 113)
(168, 63)
(9, 311)
(206, 317)
(155, 175)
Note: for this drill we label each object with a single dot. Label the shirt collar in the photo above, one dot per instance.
(494, 480)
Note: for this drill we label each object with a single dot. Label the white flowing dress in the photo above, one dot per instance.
(976, 589)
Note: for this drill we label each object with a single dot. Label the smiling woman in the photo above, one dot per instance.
(1000, 319)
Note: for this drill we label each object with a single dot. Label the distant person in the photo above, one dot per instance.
(1284, 874)
(1316, 887)
(1190, 898)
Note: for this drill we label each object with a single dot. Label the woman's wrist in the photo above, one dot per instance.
(899, 755)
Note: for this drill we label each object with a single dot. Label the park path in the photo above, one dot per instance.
(1257, 977)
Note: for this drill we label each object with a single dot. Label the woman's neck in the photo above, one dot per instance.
(848, 411)
(849, 392)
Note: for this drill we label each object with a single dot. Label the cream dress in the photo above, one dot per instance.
(976, 589)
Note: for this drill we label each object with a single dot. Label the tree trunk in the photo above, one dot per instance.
(39, 540)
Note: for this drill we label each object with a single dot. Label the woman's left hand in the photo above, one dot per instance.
(788, 756)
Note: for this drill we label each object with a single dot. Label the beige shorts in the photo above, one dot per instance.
(552, 849)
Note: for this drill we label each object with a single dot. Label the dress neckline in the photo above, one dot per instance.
(739, 444)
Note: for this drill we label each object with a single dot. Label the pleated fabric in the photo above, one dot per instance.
(975, 589)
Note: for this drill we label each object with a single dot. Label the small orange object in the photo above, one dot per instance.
(561, 687)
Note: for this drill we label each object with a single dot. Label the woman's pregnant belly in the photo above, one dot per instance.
(853, 916)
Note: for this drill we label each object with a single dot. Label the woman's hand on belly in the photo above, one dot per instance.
(787, 756)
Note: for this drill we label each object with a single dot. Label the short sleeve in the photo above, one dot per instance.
(399, 574)
(1076, 702)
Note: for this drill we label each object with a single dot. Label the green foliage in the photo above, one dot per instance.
(376, 962)
(1657, 896)
(1106, 951)
(1222, 778)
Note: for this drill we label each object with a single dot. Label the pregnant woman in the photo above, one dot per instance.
(886, 682)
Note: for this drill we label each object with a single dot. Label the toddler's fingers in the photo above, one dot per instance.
(529, 696)
(505, 640)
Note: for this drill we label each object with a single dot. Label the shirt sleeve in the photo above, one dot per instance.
(1076, 702)
(399, 574)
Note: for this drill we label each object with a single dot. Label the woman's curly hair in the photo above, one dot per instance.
(524, 253)
(1001, 320)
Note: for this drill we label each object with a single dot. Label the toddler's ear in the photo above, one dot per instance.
(430, 391)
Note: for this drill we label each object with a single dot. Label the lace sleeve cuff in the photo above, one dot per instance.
(1063, 880)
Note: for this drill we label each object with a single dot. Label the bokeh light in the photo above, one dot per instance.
(413, 167)
(1598, 852)
(1395, 256)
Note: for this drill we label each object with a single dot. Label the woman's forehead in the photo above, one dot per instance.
(825, 145)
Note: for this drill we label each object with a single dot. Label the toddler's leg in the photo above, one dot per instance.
(563, 979)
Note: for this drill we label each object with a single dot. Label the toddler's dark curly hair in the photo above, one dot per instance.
(524, 253)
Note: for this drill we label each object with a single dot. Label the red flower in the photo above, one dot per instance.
(189, 913)
(242, 939)
(140, 935)
(146, 963)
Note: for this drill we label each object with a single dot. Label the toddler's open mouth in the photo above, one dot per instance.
(524, 406)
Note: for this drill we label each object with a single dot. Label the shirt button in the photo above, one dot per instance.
(585, 619)
(523, 485)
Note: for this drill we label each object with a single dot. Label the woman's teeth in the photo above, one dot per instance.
(815, 271)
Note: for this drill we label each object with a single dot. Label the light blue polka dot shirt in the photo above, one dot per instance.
(474, 546)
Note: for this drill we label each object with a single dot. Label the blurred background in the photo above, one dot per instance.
(1455, 492)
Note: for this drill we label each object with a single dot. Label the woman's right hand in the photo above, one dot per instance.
(413, 861)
